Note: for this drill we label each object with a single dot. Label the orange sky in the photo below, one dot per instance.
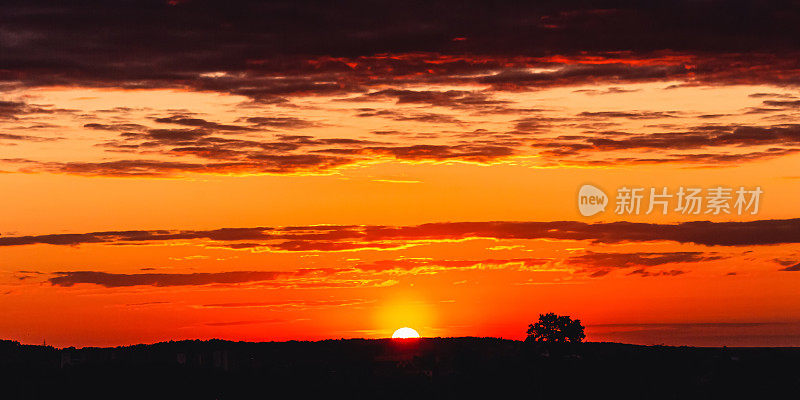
(479, 299)
(118, 196)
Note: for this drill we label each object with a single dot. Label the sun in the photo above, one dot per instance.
(405, 333)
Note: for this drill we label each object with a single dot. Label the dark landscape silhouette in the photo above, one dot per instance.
(465, 367)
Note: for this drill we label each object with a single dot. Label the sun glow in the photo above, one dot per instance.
(405, 333)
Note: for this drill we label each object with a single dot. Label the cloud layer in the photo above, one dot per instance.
(469, 59)
(336, 237)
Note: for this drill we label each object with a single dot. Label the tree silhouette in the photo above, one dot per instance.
(556, 328)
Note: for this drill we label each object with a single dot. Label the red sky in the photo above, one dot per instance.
(282, 172)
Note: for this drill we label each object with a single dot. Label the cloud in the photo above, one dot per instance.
(169, 135)
(292, 154)
(246, 155)
(299, 279)
(792, 268)
(628, 114)
(409, 59)
(24, 274)
(119, 127)
(724, 143)
(303, 154)
(201, 123)
(272, 51)
(234, 156)
(111, 280)
(328, 245)
(639, 259)
(700, 137)
(338, 237)
(457, 99)
(599, 273)
(291, 304)
(597, 264)
(771, 95)
(784, 261)
(536, 124)
(783, 103)
(644, 273)
(12, 110)
(575, 74)
(27, 138)
(281, 122)
(416, 266)
(611, 90)
(704, 159)
(475, 153)
(265, 163)
(416, 116)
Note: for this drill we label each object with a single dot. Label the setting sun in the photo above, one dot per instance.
(405, 333)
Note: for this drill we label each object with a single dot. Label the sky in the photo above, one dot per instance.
(281, 170)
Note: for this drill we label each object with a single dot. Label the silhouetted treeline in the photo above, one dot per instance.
(424, 368)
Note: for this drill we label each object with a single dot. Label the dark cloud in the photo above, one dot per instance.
(201, 123)
(458, 99)
(428, 117)
(290, 304)
(793, 268)
(569, 75)
(422, 265)
(139, 168)
(536, 124)
(115, 127)
(255, 153)
(328, 245)
(707, 137)
(782, 103)
(640, 259)
(268, 51)
(256, 163)
(10, 109)
(237, 156)
(784, 139)
(784, 261)
(644, 273)
(628, 114)
(392, 132)
(751, 233)
(23, 275)
(110, 280)
(704, 159)
(25, 138)
(281, 122)
(477, 153)
(304, 278)
(14, 109)
(599, 273)
(772, 95)
(611, 90)
(170, 135)
(383, 51)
